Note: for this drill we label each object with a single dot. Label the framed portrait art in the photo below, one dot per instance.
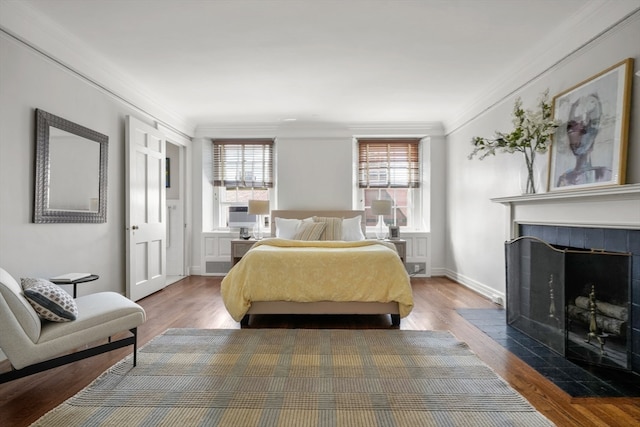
(590, 145)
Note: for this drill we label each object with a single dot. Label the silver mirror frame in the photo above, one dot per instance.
(41, 213)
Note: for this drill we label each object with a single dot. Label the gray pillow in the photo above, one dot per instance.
(50, 301)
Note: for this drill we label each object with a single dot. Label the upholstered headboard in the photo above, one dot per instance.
(302, 214)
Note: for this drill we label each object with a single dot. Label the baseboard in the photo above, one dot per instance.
(491, 294)
(441, 271)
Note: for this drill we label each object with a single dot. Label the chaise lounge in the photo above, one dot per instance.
(33, 345)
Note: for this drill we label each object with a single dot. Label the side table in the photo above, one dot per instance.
(401, 247)
(239, 247)
(75, 282)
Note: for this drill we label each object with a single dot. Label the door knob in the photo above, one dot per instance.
(135, 227)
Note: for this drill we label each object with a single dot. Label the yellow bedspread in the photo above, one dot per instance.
(308, 271)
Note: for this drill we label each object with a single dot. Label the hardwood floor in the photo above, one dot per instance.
(195, 302)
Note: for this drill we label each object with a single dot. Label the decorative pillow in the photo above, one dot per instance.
(29, 282)
(333, 231)
(286, 228)
(50, 301)
(310, 231)
(352, 229)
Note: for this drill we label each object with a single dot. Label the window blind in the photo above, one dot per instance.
(388, 163)
(243, 163)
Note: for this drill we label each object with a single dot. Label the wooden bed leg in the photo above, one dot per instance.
(245, 321)
(395, 320)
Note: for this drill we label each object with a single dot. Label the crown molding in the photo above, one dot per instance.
(315, 129)
(419, 129)
(236, 130)
(594, 20)
(25, 24)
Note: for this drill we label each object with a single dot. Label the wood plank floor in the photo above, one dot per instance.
(195, 302)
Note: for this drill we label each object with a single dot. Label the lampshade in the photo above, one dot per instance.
(258, 207)
(380, 207)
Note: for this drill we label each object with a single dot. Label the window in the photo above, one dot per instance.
(400, 205)
(390, 169)
(242, 170)
(243, 163)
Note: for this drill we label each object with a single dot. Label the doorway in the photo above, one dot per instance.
(175, 192)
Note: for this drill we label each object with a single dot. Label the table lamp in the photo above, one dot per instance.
(381, 208)
(258, 207)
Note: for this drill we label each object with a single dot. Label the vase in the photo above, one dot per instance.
(531, 179)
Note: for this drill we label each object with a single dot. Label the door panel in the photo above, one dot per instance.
(146, 207)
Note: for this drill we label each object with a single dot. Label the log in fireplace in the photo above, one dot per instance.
(575, 301)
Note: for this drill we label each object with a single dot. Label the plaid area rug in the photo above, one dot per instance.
(299, 377)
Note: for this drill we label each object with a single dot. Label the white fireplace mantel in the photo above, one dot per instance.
(606, 207)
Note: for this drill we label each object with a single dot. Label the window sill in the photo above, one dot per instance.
(233, 231)
(372, 230)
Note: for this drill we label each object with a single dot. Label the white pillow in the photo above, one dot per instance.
(287, 228)
(351, 229)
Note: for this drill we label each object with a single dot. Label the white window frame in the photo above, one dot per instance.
(414, 195)
(220, 206)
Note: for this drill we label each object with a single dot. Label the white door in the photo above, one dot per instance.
(146, 209)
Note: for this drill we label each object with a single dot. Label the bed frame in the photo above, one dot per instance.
(321, 307)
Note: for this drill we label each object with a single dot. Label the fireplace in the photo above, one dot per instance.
(576, 301)
(606, 219)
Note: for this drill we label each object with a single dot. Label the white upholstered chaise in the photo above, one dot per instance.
(33, 345)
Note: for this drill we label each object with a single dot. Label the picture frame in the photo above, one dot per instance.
(590, 144)
(394, 232)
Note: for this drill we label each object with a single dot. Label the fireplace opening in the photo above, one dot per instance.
(575, 301)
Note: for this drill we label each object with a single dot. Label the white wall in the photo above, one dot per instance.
(475, 225)
(434, 151)
(29, 81)
(314, 173)
(315, 169)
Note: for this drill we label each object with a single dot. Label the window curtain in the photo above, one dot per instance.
(246, 163)
(388, 163)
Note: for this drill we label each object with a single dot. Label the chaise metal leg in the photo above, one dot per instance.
(72, 357)
(134, 331)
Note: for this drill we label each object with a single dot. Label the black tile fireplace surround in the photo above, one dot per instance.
(574, 379)
(603, 239)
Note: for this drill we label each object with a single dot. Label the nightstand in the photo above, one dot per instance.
(239, 247)
(401, 247)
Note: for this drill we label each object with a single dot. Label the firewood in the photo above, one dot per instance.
(610, 310)
(606, 324)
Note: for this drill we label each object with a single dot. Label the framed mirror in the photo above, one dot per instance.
(71, 172)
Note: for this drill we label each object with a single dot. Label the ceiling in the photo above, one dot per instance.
(212, 61)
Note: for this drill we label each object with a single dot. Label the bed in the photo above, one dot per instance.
(323, 275)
